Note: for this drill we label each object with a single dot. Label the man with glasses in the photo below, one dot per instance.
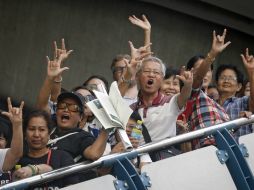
(119, 68)
(229, 81)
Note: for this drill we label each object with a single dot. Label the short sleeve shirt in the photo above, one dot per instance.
(75, 143)
(160, 117)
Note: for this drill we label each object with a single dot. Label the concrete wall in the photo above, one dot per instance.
(96, 31)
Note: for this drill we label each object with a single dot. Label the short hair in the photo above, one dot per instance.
(75, 89)
(39, 113)
(170, 71)
(223, 67)
(6, 131)
(103, 79)
(119, 57)
(153, 59)
(190, 64)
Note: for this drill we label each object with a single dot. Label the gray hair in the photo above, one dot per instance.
(152, 59)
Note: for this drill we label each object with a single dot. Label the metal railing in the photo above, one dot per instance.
(107, 160)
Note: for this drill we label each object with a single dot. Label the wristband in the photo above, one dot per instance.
(58, 81)
(32, 168)
(127, 81)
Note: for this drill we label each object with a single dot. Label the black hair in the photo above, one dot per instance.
(75, 89)
(212, 86)
(38, 113)
(170, 71)
(103, 79)
(223, 67)
(190, 64)
(135, 116)
(6, 131)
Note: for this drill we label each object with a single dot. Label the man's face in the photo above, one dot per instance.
(150, 77)
(67, 114)
(227, 83)
(120, 69)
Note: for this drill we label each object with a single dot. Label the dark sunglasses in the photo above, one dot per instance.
(71, 107)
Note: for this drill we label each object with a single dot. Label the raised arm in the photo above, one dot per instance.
(187, 78)
(52, 82)
(16, 150)
(145, 25)
(248, 61)
(136, 57)
(218, 45)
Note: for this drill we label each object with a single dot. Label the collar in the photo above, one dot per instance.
(156, 100)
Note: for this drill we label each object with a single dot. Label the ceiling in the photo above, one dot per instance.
(234, 14)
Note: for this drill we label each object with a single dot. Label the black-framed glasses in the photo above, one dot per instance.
(70, 107)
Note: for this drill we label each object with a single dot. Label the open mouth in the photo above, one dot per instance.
(150, 82)
(65, 117)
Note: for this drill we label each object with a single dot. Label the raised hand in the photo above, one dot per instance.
(186, 77)
(144, 23)
(14, 113)
(248, 61)
(219, 44)
(54, 66)
(136, 57)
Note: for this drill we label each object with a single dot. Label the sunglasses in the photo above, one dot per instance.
(70, 107)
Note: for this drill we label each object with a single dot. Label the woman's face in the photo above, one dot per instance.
(37, 133)
(3, 142)
(170, 86)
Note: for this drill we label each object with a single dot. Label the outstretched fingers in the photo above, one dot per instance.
(63, 44)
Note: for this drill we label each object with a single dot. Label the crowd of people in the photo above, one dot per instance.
(168, 101)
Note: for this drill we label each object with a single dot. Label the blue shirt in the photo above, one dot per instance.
(233, 107)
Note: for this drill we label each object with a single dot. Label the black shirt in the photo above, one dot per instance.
(74, 143)
(58, 159)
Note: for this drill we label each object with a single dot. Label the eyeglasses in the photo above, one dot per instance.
(71, 107)
(118, 69)
(89, 98)
(228, 78)
(155, 72)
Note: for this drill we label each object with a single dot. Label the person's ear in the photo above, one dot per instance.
(239, 87)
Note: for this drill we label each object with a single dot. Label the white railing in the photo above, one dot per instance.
(84, 166)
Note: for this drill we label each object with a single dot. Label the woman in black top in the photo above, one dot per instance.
(40, 158)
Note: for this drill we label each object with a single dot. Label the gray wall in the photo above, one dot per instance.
(96, 31)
